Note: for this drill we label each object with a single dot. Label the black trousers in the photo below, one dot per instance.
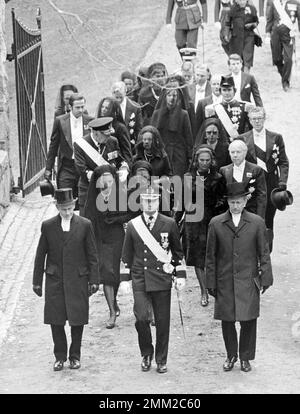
(68, 177)
(161, 304)
(186, 38)
(282, 52)
(247, 341)
(60, 342)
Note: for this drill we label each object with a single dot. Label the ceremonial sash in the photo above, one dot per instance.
(260, 157)
(144, 233)
(91, 152)
(226, 121)
(284, 17)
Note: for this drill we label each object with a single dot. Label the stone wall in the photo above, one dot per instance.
(5, 176)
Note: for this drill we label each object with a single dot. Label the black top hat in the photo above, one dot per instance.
(100, 124)
(227, 82)
(150, 194)
(281, 198)
(236, 190)
(46, 187)
(64, 196)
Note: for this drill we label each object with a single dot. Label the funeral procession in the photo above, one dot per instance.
(149, 183)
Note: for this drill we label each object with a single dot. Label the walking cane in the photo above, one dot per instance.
(180, 312)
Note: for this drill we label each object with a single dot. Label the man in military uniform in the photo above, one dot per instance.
(153, 252)
(188, 19)
(267, 149)
(281, 18)
(231, 112)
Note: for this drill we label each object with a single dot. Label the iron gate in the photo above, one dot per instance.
(27, 53)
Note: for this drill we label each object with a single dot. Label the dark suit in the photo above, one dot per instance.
(84, 164)
(71, 264)
(200, 111)
(188, 19)
(192, 91)
(277, 169)
(256, 183)
(150, 282)
(61, 146)
(249, 87)
(237, 264)
(281, 43)
(133, 120)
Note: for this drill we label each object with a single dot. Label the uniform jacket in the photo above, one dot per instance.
(146, 270)
(277, 162)
(292, 7)
(84, 163)
(71, 263)
(187, 19)
(61, 140)
(256, 184)
(249, 87)
(133, 120)
(237, 264)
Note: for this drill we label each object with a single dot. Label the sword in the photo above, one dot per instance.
(180, 312)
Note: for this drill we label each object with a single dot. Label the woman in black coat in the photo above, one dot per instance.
(110, 107)
(202, 173)
(173, 124)
(212, 134)
(102, 208)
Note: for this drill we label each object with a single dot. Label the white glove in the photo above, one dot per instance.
(218, 25)
(89, 175)
(123, 173)
(179, 283)
(125, 287)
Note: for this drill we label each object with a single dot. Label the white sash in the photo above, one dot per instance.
(144, 233)
(91, 152)
(226, 121)
(284, 17)
(261, 163)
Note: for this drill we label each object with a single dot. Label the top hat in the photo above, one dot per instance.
(46, 187)
(150, 194)
(64, 196)
(101, 124)
(227, 82)
(236, 190)
(281, 198)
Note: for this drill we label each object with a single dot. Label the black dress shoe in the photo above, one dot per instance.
(161, 368)
(75, 364)
(245, 366)
(58, 365)
(146, 363)
(229, 363)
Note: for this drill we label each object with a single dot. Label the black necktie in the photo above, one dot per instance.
(150, 222)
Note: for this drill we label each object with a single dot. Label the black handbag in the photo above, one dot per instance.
(257, 40)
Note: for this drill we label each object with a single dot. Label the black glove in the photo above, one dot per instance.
(48, 174)
(282, 187)
(264, 288)
(93, 289)
(212, 292)
(37, 290)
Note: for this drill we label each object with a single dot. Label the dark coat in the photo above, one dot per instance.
(255, 178)
(187, 19)
(84, 163)
(71, 263)
(148, 103)
(249, 87)
(237, 264)
(61, 145)
(176, 133)
(146, 270)
(192, 92)
(222, 154)
(122, 136)
(133, 120)
(200, 112)
(242, 39)
(160, 163)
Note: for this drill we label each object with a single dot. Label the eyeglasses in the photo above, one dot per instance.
(257, 118)
(212, 132)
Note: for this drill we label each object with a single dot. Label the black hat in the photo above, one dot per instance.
(64, 196)
(101, 124)
(236, 189)
(227, 82)
(281, 198)
(151, 193)
(46, 187)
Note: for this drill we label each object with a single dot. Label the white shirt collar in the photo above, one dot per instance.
(262, 133)
(240, 167)
(236, 218)
(154, 215)
(65, 223)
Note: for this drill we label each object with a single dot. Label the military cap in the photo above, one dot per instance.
(100, 124)
(227, 82)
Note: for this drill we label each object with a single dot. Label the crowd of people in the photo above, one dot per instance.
(173, 170)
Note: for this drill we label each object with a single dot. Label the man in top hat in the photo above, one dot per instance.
(231, 112)
(188, 19)
(96, 148)
(238, 268)
(281, 16)
(153, 253)
(67, 244)
(66, 130)
(267, 149)
(252, 175)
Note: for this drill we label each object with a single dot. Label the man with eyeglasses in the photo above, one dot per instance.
(267, 149)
